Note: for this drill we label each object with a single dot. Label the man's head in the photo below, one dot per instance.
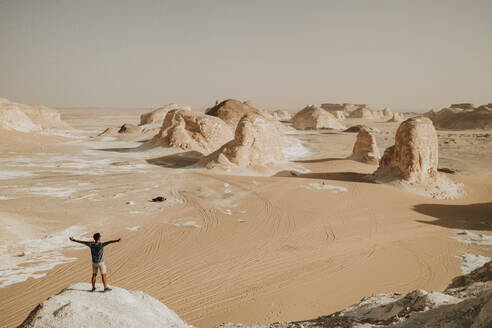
(97, 236)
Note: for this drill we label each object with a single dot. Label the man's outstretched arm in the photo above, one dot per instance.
(112, 241)
(79, 241)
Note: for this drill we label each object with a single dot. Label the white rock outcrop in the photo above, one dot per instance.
(414, 156)
(363, 112)
(465, 306)
(397, 117)
(76, 306)
(365, 148)
(157, 115)
(313, 117)
(27, 118)
(232, 111)
(282, 115)
(256, 145)
(188, 130)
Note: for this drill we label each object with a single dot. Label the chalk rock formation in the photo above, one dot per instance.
(363, 112)
(397, 117)
(282, 115)
(26, 118)
(387, 112)
(414, 155)
(76, 306)
(189, 130)
(332, 107)
(129, 128)
(469, 306)
(340, 115)
(460, 119)
(231, 111)
(157, 115)
(365, 149)
(463, 106)
(313, 117)
(256, 145)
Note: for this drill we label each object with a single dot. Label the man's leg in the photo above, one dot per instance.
(103, 275)
(94, 275)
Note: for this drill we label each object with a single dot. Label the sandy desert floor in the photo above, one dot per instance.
(250, 249)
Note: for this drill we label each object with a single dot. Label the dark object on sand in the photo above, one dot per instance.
(446, 170)
(158, 199)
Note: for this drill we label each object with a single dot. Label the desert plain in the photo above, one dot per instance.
(303, 239)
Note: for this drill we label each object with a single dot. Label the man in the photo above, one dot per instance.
(97, 252)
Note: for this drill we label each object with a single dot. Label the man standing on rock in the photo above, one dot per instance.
(97, 252)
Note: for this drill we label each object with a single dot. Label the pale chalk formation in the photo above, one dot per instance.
(362, 112)
(365, 148)
(412, 162)
(340, 115)
(76, 306)
(387, 112)
(282, 115)
(414, 156)
(457, 118)
(188, 130)
(467, 305)
(256, 145)
(27, 118)
(397, 117)
(313, 117)
(232, 111)
(157, 115)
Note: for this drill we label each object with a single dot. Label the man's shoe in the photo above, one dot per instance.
(107, 289)
(93, 289)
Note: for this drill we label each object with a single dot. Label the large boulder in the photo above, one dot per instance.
(313, 117)
(27, 118)
(232, 111)
(76, 306)
(189, 130)
(157, 115)
(414, 155)
(256, 145)
(365, 148)
(282, 115)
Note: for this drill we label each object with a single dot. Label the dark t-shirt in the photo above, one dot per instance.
(97, 250)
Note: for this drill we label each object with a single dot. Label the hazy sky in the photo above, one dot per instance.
(402, 54)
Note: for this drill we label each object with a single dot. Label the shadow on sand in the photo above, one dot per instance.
(336, 176)
(473, 216)
(179, 160)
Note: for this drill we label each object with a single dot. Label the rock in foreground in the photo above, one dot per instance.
(76, 306)
(469, 306)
